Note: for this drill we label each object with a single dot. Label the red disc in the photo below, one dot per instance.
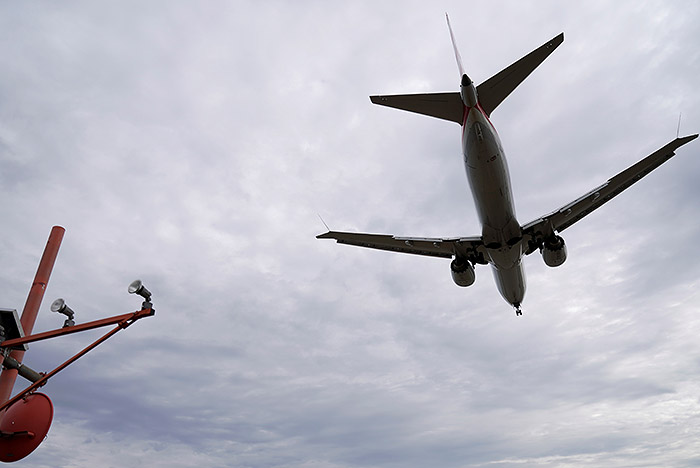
(24, 426)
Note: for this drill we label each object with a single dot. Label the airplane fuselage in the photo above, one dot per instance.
(489, 181)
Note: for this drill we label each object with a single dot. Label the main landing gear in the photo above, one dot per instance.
(517, 310)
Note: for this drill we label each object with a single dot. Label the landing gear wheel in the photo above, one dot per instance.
(518, 312)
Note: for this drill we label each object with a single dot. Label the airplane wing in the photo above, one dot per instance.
(569, 214)
(466, 247)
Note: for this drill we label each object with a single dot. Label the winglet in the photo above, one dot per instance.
(324, 223)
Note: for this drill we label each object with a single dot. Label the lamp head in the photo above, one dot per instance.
(137, 287)
(60, 306)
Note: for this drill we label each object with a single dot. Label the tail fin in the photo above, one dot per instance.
(458, 57)
(494, 90)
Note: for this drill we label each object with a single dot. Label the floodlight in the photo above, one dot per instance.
(137, 287)
(60, 306)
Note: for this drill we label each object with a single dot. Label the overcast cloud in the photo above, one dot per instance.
(192, 145)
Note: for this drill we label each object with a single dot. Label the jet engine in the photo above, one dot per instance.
(462, 272)
(554, 251)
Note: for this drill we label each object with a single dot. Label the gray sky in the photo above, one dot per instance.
(192, 144)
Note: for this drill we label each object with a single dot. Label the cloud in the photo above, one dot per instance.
(193, 146)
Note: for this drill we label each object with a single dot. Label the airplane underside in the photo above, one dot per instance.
(489, 181)
(511, 284)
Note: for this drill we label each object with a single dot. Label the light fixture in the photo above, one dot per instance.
(60, 306)
(137, 287)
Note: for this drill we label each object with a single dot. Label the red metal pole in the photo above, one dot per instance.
(31, 307)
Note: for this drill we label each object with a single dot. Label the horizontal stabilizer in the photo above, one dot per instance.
(447, 106)
(494, 90)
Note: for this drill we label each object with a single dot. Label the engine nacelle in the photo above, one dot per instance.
(554, 251)
(462, 272)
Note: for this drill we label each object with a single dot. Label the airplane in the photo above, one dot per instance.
(503, 242)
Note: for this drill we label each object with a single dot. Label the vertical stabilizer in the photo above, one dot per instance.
(458, 57)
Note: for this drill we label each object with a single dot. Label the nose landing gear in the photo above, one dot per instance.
(517, 310)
